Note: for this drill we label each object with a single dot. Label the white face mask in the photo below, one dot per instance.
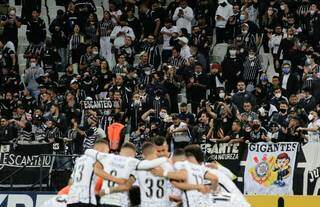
(232, 53)
(95, 52)
(222, 95)
(312, 12)
(282, 7)
(137, 102)
(310, 117)
(33, 65)
(251, 57)
(244, 32)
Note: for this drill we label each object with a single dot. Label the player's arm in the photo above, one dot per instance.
(187, 186)
(213, 178)
(98, 170)
(119, 188)
(149, 164)
(180, 175)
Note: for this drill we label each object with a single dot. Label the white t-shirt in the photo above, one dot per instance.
(154, 191)
(166, 38)
(180, 136)
(185, 52)
(184, 21)
(314, 136)
(225, 12)
(195, 175)
(84, 181)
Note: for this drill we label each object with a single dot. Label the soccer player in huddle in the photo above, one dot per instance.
(181, 179)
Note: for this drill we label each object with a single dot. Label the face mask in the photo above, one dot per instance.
(312, 12)
(137, 102)
(277, 95)
(244, 32)
(232, 53)
(33, 65)
(283, 110)
(282, 7)
(242, 17)
(310, 117)
(95, 52)
(251, 57)
(223, 4)
(222, 95)
(264, 78)
(162, 114)
(286, 70)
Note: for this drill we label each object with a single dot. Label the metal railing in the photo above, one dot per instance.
(41, 175)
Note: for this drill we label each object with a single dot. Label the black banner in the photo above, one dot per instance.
(25, 155)
(229, 155)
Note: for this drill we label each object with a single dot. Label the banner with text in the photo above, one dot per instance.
(270, 168)
(28, 156)
(229, 155)
(311, 181)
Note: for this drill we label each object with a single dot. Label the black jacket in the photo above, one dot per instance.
(36, 31)
(292, 86)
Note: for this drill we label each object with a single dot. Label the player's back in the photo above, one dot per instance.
(195, 175)
(82, 188)
(227, 186)
(120, 167)
(154, 190)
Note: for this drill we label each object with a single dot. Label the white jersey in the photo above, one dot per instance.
(195, 175)
(56, 201)
(219, 200)
(227, 189)
(154, 191)
(120, 167)
(84, 181)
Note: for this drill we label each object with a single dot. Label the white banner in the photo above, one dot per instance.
(270, 168)
(311, 181)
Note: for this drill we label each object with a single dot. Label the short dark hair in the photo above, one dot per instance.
(147, 148)
(101, 141)
(183, 104)
(129, 145)
(179, 152)
(194, 151)
(159, 140)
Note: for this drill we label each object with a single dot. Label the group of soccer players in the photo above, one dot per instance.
(159, 180)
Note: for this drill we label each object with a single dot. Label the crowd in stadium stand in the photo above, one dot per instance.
(145, 56)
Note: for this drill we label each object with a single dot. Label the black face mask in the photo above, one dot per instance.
(255, 126)
(223, 4)
(283, 110)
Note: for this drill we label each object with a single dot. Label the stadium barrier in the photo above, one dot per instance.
(284, 201)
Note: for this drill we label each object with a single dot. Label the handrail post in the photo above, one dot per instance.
(41, 176)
